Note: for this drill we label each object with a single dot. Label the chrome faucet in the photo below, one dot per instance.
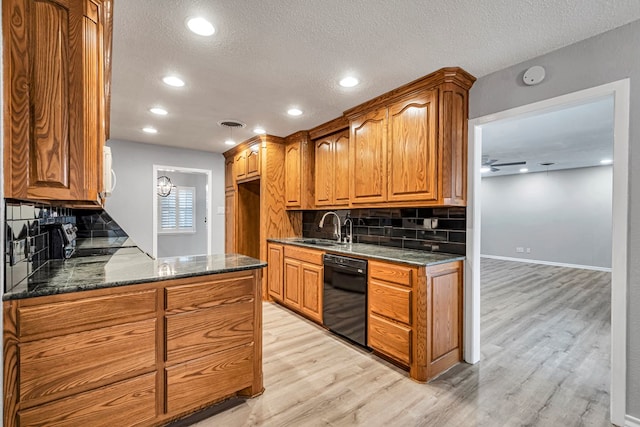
(336, 225)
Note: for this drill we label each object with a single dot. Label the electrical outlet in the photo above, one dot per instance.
(519, 249)
(220, 210)
(528, 250)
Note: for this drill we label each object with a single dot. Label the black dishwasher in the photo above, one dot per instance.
(345, 297)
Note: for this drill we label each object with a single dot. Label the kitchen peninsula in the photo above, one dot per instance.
(129, 339)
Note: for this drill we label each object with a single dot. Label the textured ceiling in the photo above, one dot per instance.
(573, 137)
(267, 56)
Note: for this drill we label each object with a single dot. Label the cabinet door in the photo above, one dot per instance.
(253, 161)
(293, 174)
(240, 165)
(311, 292)
(230, 222)
(228, 174)
(413, 163)
(274, 271)
(341, 174)
(55, 93)
(324, 172)
(292, 282)
(368, 158)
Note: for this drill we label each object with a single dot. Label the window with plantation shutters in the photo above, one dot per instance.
(177, 211)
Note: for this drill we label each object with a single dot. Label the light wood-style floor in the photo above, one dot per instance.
(545, 362)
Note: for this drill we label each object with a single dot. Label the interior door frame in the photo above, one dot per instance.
(208, 189)
(619, 269)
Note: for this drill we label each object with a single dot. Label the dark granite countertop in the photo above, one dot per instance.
(384, 253)
(126, 266)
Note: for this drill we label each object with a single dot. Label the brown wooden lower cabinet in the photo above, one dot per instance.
(415, 315)
(303, 275)
(136, 355)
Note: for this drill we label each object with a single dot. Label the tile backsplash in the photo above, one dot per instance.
(426, 229)
(92, 223)
(26, 240)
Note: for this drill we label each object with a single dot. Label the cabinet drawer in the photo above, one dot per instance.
(194, 384)
(390, 301)
(302, 254)
(72, 363)
(89, 313)
(215, 291)
(198, 333)
(394, 273)
(120, 404)
(390, 338)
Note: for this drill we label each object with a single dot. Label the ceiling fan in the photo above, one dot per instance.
(492, 165)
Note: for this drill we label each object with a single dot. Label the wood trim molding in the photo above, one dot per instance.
(455, 75)
(332, 126)
(253, 140)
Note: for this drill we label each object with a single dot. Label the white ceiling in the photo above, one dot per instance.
(573, 137)
(267, 56)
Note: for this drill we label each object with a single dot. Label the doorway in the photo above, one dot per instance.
(181, 211)
(620, 92)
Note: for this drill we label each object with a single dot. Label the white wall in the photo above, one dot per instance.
(131, 204)
(178, 244)
(606, 58)
(562, 216)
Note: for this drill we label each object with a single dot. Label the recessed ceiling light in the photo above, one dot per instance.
(230, 142)
(349, 82)
(149, 129)
(606, 161)
(523, 170)
(259, 131)
(485, 169)
(173, 81)
(294, 112)
(159, 111)
(201, 26)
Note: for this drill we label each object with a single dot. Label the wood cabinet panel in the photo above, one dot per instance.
(444, 289)
(413, 162)
(197, 333)
(390, 338)
(275, 276)
(125, 403)
(308, 255)
(229, 176)
(195, 383)
(341, 176)
(253, 161)
(211, 292)
(56, 96)
(74, 316)
(68, 364)
(368, 157)
(292, 272)
(332, 170)
(324, 172)
(293, 174)
(240, 165)
(230, 222)
(311, 293)
(388, 272)
(453, 131)
(390, 301)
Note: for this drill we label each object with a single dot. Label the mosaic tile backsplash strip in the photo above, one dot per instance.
(26, 239)
(426, 229)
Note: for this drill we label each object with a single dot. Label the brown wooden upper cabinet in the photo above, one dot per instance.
(332, 170)
(247, 163)
(409, 146)
(299, 172)
(55, 75)
(228, 174)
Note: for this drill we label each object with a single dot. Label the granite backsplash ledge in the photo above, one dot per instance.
(441, 229)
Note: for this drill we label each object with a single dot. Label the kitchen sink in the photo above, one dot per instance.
(317, 242)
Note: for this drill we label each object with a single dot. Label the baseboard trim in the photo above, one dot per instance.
(555, 264)
(630, 421)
